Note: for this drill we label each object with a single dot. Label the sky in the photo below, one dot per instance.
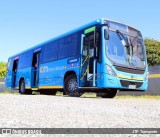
(26, 23)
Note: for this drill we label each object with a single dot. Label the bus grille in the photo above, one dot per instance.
(125, 83)
(130, 70)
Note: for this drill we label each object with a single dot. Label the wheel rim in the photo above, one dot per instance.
(22, 87)
(72, 85)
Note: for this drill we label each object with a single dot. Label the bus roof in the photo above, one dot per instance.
(95, 22)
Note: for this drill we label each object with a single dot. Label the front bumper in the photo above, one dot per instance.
(108, 81)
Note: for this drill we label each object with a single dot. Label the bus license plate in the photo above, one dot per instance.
(132, 86)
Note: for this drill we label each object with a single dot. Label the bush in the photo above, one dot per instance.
(2, 69)
(153, 51)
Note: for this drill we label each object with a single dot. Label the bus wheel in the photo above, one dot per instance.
(108, 94)
(22, 89)
(71, 86)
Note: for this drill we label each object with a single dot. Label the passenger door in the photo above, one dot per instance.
(35, 69)
(14, 75)
(88, 70)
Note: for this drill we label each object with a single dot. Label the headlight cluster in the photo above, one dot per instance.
(110, 71)
(146, 77)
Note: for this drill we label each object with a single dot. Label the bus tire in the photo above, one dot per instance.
(22, 89)
(71, 86)
(108, 94)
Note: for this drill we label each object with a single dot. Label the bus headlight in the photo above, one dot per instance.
(110, 71)
(146, 77)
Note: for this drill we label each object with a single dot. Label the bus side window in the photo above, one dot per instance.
(68, 43)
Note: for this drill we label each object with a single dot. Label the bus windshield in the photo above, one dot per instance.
(125, 50)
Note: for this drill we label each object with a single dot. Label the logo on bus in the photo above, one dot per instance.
(134, 62)
(44, 69)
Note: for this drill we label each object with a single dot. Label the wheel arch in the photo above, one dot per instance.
(69, 73)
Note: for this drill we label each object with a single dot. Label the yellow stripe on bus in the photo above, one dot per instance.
(50, 87)
(2, 83)
(34, 88)
(154, 76)
(129, 78)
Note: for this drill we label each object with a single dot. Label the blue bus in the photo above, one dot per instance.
(103, 56)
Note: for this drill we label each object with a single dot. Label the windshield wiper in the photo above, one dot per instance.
(124, 41)
(122, 38)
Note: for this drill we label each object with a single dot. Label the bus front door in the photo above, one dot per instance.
(35, 69)
(14, 74)
(88, 69)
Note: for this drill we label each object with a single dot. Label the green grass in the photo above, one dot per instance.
(8, 92)
(89, 95)
(59, 93)
(138, 97)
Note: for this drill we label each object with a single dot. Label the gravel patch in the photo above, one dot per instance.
(42, 111)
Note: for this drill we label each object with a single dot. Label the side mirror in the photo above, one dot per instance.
(106, 34)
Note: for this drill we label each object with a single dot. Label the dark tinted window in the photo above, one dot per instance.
(68, 46)
(50, 52)
(25, 60)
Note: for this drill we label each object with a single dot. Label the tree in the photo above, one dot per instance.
(2, 69)
(152, 51)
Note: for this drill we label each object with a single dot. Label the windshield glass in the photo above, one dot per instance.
(125, 50)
